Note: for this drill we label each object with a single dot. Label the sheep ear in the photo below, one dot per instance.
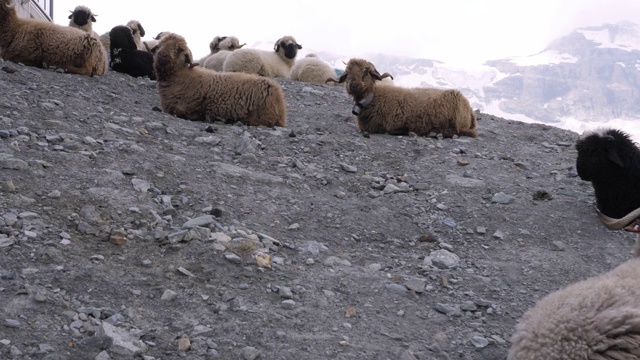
(375, 74)
(276, 46)
(612, 154)
(141, 29)
(71, 16)
(93, 18)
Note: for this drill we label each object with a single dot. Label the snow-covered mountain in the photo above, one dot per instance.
(586, 79)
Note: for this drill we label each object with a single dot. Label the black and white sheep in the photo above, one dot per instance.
(610, 160)
(594, 319)
(312, 69)
(83, 18)
(276, 63)
(398, 111)
(221, 47)
(41, 43)
(125, 57)
(191, 92)
(136, 29)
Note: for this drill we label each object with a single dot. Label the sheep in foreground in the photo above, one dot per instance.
(276, 63)
(594, 319)
(223, 46)
(82, 18)
(312, 69)
(194, 93)
(42, 44)
(398, 111)
(136, 29)
(610, 160)
(125, 57)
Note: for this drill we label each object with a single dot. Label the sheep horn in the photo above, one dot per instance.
(617, 224)
(386, 75)
(192, 65)
(331, 80)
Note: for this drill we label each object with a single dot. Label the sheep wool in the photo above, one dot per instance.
(276, 63)
(398, 111)
(610, 160)
(218, 45)
(597, 319)
(191, 92)
(312, 69)
(41, 43)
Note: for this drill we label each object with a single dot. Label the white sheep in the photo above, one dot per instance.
(41, 43)
(276, 63)
(218, 45)
(83, 18)
(397, 110)
(191, 92)
(312, 69)
(597, 319)
(150, 44)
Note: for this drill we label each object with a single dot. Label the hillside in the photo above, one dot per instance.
(125, 232)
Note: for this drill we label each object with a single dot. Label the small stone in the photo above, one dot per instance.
(348, 168)
(11, 323)
(184, 344)
(502, 198)
(285, 292)
(479, 341)
(558, 246)
(168, 295)
(288, 304)
(481, 230)
(498, 235)
(416, 284)
(250, 353)
(444, 259)
(463, 162)
(397, 288)
(448, 310)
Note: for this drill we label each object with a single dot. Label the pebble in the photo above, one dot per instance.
(348, 168)
(444, 259)
(288, 304)
(397, 288)
(558, 246)
(184, 344)
(285, 292)
(11, 323)
(502, 198)
(168, 295)
(250, 353)
(479, 341)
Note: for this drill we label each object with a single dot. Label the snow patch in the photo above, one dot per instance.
(544, 58)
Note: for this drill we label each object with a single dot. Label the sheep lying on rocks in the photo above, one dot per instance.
(276, 63)
(610, 160)
(396, 110)
(191, 92)
(220, 48)
(136, 29)
(82, 18)
(597, 319)
(42, 44)
(125, 57)
(312, 69)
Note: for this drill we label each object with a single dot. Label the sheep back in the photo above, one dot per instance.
(597, 318)
(40, 43)
(610, 160)
(312, 70)
(216, 61)
(199, 94)
(275, 63)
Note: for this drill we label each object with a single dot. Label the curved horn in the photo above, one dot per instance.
(386, 75)
(618, 224)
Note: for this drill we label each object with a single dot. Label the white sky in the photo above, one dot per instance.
(459, 32)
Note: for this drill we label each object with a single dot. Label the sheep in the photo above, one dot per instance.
(41, 43)
(610, 160)
(125, 57)
(149, 45)
(312, 69)
(597, 318)
(82, 18)
(396, 110)
(194, 93)
(224, 45)
(136, 29)
(276, 63)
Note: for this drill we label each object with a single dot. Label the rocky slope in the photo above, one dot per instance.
(128, 233)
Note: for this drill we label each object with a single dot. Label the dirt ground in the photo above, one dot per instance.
(126, 233)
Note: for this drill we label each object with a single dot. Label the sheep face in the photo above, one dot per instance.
(288, 45)
(136, 27)
(360, 76)
(121, 39)
(171, 56)
(81, 16)
(599, 154)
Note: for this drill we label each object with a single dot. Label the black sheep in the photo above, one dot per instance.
(125, 57)
(610, 160)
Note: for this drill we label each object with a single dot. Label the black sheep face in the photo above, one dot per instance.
(121, 39)
(289, 46)
(81, 17)
(599, 154)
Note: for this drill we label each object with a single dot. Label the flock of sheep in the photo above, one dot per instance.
(598, 318)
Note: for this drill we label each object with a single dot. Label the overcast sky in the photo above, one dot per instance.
(455, 31)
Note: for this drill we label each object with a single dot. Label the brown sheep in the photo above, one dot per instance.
(194, 93)
(398, 111)
(41, 43)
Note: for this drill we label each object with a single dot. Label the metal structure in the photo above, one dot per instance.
(37, 9)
